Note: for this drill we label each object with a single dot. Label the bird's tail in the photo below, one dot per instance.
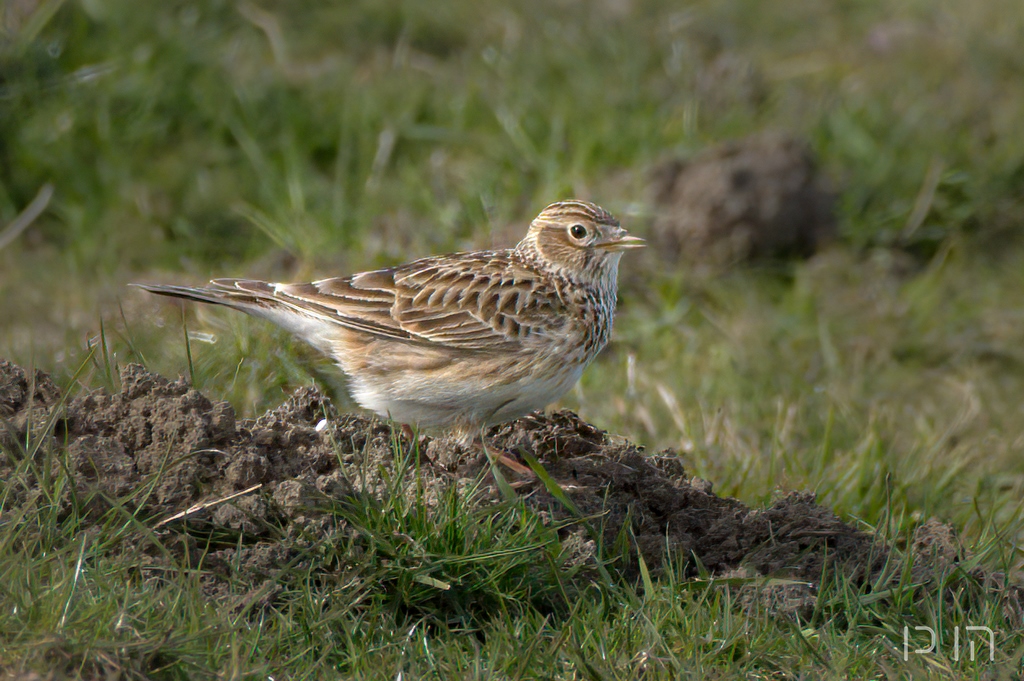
(248, 295)
(260, 299)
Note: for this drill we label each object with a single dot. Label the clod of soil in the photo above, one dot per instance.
(163, 448)
(20, 393)
(760, 196)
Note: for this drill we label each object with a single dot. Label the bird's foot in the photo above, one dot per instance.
(510, 462)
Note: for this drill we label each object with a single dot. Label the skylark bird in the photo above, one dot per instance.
(460, 341)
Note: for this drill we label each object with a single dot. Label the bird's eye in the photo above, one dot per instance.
(578, 232)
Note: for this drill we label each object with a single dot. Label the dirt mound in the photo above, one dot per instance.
(162, 448)
(754, 197)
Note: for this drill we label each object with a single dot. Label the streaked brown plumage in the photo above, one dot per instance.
(459, 341)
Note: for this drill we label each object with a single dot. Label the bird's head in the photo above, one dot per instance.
(579, 240)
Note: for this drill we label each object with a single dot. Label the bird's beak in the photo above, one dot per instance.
(621, 242)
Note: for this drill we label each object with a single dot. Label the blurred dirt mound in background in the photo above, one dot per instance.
(163, 448)
(760, 196)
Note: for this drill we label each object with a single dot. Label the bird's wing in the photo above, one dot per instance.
(473, 301)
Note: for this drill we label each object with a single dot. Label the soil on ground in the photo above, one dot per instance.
(178, 458)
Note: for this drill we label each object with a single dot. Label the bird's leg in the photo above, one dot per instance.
(503, 458)
(414, 442)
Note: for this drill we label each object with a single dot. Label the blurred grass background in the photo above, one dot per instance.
(289, 140)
